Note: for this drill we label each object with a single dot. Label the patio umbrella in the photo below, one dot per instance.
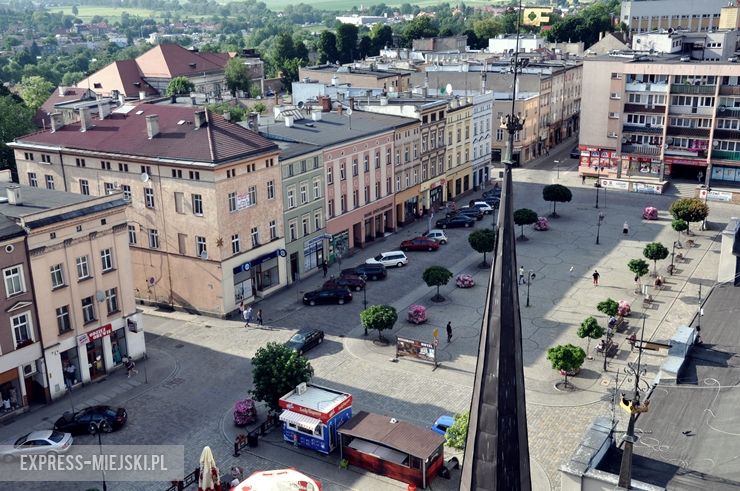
(279, 480)
(208, 479)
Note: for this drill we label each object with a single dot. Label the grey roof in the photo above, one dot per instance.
(497, 448)
(9, 229)
(334, 128)
(290, 150)
(689, 435)
(377, 73)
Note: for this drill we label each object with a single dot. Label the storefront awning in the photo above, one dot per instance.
(300, 420)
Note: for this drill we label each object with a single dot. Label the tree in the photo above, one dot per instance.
(679, 226)
(566, 358)
(382, 36)
(380, 317)
(483, 241)
(259, 108)
(327, 47)
(457, 434)
(522, 217)
(689, 210)
(290, 70)
(276, 370)
(15, 121)
(655, 251)
(639, 267)
(437, 276)
(282, 48)
(590, 329)
(608, 307)
(557, 193)
(71, 78)
(35, 90)
(180, 85)
(346, 42)
(75, 10)
(365, 46)
(237, 76)
(421, 27)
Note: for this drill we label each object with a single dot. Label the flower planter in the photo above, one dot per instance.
(245, 412)
(650, 213)
(624, 308)
(464, 281)
(571, 373)
(417, 314)
(542, 224)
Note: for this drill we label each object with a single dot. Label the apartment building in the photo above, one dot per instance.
(459, 127)
(80, 264)
(650, 15)
(482, 133)
(204, 198)
(526, 140)
(408, 171)
(374, 78)
(705, 45)
(661, 115)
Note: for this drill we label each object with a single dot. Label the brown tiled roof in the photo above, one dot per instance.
(401, 436)
(123, 76)
(70, 94)
(172, 60)
(218, 141)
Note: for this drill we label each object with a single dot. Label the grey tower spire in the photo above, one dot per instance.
(497, 449)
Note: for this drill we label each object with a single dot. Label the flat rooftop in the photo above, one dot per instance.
(377, 73)
(317, 398)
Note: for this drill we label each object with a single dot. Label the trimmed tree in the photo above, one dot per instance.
(483, 241)
(180, 85)
(276, 370)
(379, 317)
(689, 209)
(639, 267)
(437, 276)
(590, 329)
(522, 217)
(557, 193)
(679, 226)
(566, 358)
(655, 251)
(458, 432)
(237, 76)
(608, 307)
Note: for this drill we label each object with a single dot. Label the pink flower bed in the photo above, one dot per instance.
(464, 281)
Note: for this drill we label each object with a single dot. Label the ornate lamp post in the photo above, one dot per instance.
(597, 185)
(598, 227)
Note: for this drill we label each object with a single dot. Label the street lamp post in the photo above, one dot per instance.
(597, 185)
(100, 448)
(557, 167)
(598, 227)
(364, 297)
(673, 253)
(530, 277)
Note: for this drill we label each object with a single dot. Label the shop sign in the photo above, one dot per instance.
(715, 195)
(256, 262)
(414, 348)
(647, 188)
(91, 336)
(608, 183)
(439, 183)
(382, 208)
(242, 201)
(315, 240)
(669, 160)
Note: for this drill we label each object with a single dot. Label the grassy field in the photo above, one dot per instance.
(113, 14)
(342, 5)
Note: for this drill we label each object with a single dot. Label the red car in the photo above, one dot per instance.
(419, 244)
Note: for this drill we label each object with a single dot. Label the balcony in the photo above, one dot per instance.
(688, 110)
(645, 87)
(693, 89)
(641, 108)
(725, 112)
(729, 90)
(726, 134)
(725, 155)
(634, 128)
(696, 153)
(683, 131)
(641, 149)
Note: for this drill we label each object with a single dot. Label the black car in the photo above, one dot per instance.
(493, 201)
(305, 339)
(476, 213)
(372, 271)
(91, 420)
(575, 153)
(492, 193)
(455, 221)
(350, 281)
(327, 295)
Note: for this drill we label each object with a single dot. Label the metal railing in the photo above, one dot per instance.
(693, 89)
(725, 155)
(641, 149)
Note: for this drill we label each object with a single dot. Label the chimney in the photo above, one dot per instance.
(227, 115)
(61, 91)
(14, 195)
(142, 95)
(121, 99)
(289, 121)
(325, 104)
(57, 121)
(340, 109)
(85, 120)
(152, 126)
(103, 109)
(199, 118)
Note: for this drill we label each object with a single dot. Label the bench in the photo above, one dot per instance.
(611, 350)
(659, 282)
(621, 325)
(647, 301)
(652, 345)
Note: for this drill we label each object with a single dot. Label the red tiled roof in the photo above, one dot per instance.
(218, 141)
(70, 94)
(122, 76)
(172, 60)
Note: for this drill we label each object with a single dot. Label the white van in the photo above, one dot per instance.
(389, 259)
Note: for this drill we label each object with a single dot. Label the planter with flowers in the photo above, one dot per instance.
(650, 213)
(245, 412)
(417, 314)
(624, 309)
(464, 281)
(541, 224)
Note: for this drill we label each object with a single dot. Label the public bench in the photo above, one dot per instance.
(652, 345)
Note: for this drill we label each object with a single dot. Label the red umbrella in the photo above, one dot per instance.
(279, 480)
(208, 479)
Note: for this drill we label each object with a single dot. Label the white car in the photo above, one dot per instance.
(436, 234)
(42, 442)
(482, 206)
(390, 259)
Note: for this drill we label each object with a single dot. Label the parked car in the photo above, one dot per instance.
(92, 419)
(442, 424)
(44, 442)
(305, 339)
(371, 271)
(437, 235)
(493, 201)
(482, 206)
(351, 282)
(455, 221)
(471, 212)
(575, 152)
(389, 259)
(327, 295)
(492, 193)
(419, 244)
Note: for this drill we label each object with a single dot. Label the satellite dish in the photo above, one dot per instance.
(144, 177)
(349, 111)
(722, 108)
(448, 89)
(99, 295)
(301, 104)
(715, 143)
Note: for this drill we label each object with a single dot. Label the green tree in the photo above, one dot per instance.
(259, 108)
(35, 90)
(437, 276)
(290, 71)
(236, 112)
(655, 251)
(276, 370)
(379, 317)
(566, 358)
(557, 193)
(590, 329)
(15, 121)
(522, 217)
(346, 42)
(237, 76)
(639, 267)
(689, 209)
(421, 27)
(71, 78)
(457, 434)
(679, 226)
(365, 46)
(608, 307)
(382, 36)
(482, 241)
(327, 47)
(75, 10)
(282, 49)
(180, 85)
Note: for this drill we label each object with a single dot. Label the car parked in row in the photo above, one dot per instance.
(437, 235)
(575, 152)
(92, 420)
(327, 295)
(494, 192)
(481, 205)
(470, 212)
(351, 282)
(492, 201)
(370, 271)
(455, 222)
(44, 442)
(419, 244)
(389, 259)
(305, 339)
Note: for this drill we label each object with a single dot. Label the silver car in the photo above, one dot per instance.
(42, 442)
(436, 234)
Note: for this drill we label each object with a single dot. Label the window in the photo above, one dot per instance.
(330, 208)
(126, 192)
(28, 156)
(270, 189)
(398, 183)
(111, 300)
(88, 310)
(377, 189)
(194, 175)
(377, 160)
(153, 238)
(232, 202)
(200, 247)
(179, 202)
(316, 189)
(132, 235)
(255, 235)
(108, 186)
(291, 197)
(84, 187)
(292, 230)
(329, 176)
(317, 220)
(235, 244)
(49, 182)
(63, 322)
(106, 259)
(32, 180)
(105, 165)
(387, 156)
(305, 226)
(367, 194)
(252, 195)
(149, 197)
(355, 198)
(122, 167)
(83, 271)
(14, 282)
(342, 171)
(343, 203)
(367, 163)
(304, 194)
(22, 332)
(315, 162)
(273, 230)
(57, 276)
(290, 170)
(499, 135)
(80, 162)
(198, 204)
(177, 173)
(46, 158)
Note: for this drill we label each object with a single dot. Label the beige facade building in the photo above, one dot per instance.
(204, 193)
(526, 141)
(650, 15)
(81, 266)
(459, 165)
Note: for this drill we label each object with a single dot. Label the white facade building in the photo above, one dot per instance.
(481, 143)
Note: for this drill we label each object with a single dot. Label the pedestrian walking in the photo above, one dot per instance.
(130, 367)
(700, 177)
(596, 277)
(583, 179)
(325, 267)
(625, 228)
(521, 275)
(259, 317)
(242, 308)
(247, 316)
(547, 151)
(449, 332)
(632, 340)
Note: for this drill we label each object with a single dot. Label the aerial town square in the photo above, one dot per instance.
(267, 246)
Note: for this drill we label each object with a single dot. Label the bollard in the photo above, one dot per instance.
(236, 449)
